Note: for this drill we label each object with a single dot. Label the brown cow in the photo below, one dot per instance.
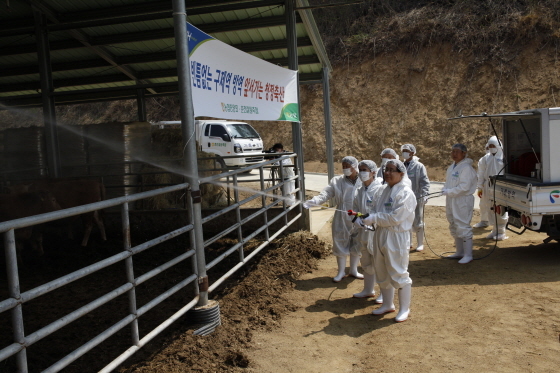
(71, 193)
(21, 205)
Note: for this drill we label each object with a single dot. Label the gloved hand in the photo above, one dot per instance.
(425, 199)
(444, 192)
(370, 220)
(479, 193)
(308, 204)
(359, 222)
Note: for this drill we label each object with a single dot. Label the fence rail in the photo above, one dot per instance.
(16, 299)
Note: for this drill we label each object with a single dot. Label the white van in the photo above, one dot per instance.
(225, 138)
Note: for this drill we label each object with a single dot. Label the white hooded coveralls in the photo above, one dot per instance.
(363, 202)
(491, 165)
(460, 184)
(341, 190)
(418, 176)
(484, 203)
(393, 218)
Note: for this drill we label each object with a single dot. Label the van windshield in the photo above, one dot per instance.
(242, 130)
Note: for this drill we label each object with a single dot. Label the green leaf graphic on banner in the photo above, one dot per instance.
(196, 38)
(290, 112)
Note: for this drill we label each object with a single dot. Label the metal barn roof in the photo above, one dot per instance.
(108, 49)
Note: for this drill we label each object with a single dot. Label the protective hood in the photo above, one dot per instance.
(401, 168)
(498, 144)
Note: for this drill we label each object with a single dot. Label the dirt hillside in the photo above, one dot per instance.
(399, 98)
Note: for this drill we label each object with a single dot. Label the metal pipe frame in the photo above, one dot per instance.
(219, 281)
(188, 129)
(129, 272)
(297, 134)
(238, 219)
(17, 299)
(47, 88)
(263, 202)
(328, 125)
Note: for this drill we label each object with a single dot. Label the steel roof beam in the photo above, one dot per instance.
(118, 78)
(146, 58)
(194, 7)
(83, 38)
(107, 94)
(127, 14)
(167, 33)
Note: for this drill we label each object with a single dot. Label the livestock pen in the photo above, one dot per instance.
(90, 308)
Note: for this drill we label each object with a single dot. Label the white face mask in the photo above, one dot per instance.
(493, 150)
(406, 155)
(384, 161)
(347, 171)
(364, 175)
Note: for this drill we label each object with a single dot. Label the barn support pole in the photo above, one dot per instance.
(129, 267)
(328, 125)
(189, 144)
(47, 88)
(15, 293)
(141, 104)
(297, 135)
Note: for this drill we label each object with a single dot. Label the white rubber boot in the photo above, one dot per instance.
(492, 235)
(369, 291)
(501, 235)
(481, 224)
(420, 239)
(467, 246)
(459, 252)
(354, 261)
(388, 305)
(341, 261)
(405, 294)
(379, 299)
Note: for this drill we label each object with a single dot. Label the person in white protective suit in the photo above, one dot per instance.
(418, 176)
(287, 173)
(386, 154)
(393, 216)
(483, 203)
(363, 202)
(460, 185)
(490, 165)
(341, 190)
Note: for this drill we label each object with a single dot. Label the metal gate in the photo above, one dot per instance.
(16, 299)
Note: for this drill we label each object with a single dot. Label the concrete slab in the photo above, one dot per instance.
(319, 218)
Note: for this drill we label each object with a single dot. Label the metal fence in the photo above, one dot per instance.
(16, 299)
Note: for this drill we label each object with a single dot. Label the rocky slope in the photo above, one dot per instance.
(399, 97)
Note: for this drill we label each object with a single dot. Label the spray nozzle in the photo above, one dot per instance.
(356, 215)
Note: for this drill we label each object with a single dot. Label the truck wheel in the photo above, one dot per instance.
(219, 164)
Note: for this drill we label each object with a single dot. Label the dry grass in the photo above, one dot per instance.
(492, 29)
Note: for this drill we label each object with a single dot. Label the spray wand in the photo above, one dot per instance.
(356, 215)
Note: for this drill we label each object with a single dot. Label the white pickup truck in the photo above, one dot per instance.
(227, 138)
(529, 189)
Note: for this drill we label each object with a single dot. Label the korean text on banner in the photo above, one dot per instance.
(231, 84)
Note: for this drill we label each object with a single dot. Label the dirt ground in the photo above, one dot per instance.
(500, 313)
